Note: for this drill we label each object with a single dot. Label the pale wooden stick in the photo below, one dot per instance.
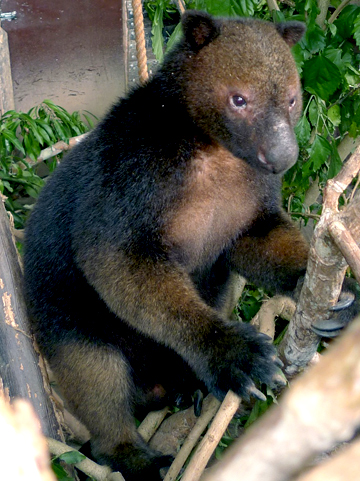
(211, 405)
(100, 473)
(212, 438)
(151, 423)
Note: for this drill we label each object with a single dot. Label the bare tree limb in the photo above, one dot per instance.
(56, 149)
(212, 438)
(281, 306)
(99, 473)
(20, 364)
(325, 271)
(151, 423)
(320, 410)
(211, 405)
(344, 465)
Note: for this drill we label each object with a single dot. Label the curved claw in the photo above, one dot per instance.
(329, 327)
(346, 300)
(279, 379)
(253, 391)
(198, 402)
(330, 333)
(278, 362)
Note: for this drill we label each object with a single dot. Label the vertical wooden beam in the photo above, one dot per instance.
(21, 373)
(6, 85)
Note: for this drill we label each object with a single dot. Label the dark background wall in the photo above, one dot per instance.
(69, 51)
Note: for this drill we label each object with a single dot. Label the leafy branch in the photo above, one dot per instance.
(23, 138)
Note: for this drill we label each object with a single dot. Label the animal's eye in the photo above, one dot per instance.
(238, 102)
(292, 102)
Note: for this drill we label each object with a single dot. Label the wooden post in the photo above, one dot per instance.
(6, 85)
(20, 372)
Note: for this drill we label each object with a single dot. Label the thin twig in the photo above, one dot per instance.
(347, 245)
(211, 405)
(99, 473)
(212, 438)
(151, 423)
(338, 11)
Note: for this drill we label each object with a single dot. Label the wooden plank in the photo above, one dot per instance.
(20, 365)
(6, 85)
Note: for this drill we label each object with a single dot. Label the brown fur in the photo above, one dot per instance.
(135, 244)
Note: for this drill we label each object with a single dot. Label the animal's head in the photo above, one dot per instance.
(241, 86)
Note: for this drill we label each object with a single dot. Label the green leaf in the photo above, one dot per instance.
(218, 7)
(335, 55)
(157, 34)
(313, 113)
(45, 125)
(319, 152)
(242, 8)
(314, 38)
(59, 130)
(357, 30)
(59, 111)
(60, 473)
(322, 75)
(335, 162)
(302, 131)
(173, 39)
(72, 457)
(345, 23)
(334, 115)
(298, 54)
(11, 137)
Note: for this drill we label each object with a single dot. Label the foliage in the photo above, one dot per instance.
(22, 137)
(70, 457)
(328, 62)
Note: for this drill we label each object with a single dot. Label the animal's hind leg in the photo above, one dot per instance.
(97, 384)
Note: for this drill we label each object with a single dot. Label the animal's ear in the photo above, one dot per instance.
(291, 32)
(199, 28)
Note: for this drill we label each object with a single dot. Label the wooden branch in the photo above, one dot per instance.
(325, 271)
(320, 410)
(272, 4)
(337, 12)
(264, 320)
(323, 7)
(347, 146)
(212, 438)
(211, 405)
(19, 363)
(97, 472)
(56, 149)
(6, 85)
(347, 245)
(151, 423)
(344, 465)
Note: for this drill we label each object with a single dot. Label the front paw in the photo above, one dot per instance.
(240, 358)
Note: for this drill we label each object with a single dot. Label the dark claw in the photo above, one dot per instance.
(330, 333)
(279, 380)
(346, 300)
(179, 400)
(253, 391)
(198, 402)
(329, 327)
(278, 362)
